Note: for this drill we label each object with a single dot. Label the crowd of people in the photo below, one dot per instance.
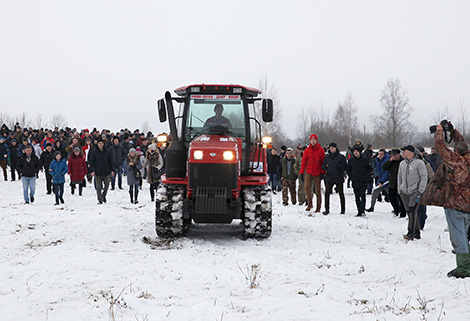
(94, 157)
(407, 178)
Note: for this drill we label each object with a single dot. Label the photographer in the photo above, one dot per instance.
(450, 189)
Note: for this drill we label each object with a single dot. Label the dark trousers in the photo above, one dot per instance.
(59, 192)
(411, 205)
(153, 188)
(102, 185)
(422, 215)
(360, 194)
(3, 165)
(329, 190)
(396, 202)
(48, 182)
(13, 172)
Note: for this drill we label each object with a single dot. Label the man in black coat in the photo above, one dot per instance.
(334, 166)
(14, 159)
(46, 158)
(28, 165)
(359, 170)
(392, 166)
(101, 167)
(118, 156)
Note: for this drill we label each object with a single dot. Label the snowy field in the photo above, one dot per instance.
(81, 261)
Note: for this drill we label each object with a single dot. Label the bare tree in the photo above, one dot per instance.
(345, 121)
(39, 121)
(441, 114)
(58, 120)
(7, 120)
(393, 125)
(145, 127)
(463, 122)
(22, 119)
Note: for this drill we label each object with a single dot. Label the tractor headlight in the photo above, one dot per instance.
(228, 155)
(198, 154)
(267, 140)
(162, 138)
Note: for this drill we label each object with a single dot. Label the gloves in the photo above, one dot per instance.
(302, 177)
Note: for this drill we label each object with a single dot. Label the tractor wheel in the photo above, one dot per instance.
(257, 211)
(169, 211)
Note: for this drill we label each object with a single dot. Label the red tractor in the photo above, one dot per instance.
(216, 161)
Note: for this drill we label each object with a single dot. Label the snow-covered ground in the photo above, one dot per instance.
(81, 261)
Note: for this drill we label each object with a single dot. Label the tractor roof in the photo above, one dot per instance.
(217, 89)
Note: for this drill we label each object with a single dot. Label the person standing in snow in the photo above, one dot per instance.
(46, 158)
(77, 170)
(334, 166)
(154, 164)
(312, 161)
(412, 181)
(273, 169)
(392, 166)
(4, 156)
(383, 178)
(288, 177)
(359, 171)
(28, 165)
(450, 189)
(58, 169)
(133, 174)
(101, 168)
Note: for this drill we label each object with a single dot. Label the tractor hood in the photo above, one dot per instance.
(215, 149)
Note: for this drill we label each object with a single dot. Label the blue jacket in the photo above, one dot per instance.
(383, 174)
(4, 151)
(58, 169)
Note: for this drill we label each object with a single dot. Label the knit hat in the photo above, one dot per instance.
(1, 137)
(57, 153)
(358, 148)
(313, 136)
(153, 146)
(408, 147)
(76, 149)
(48, 144)
(333, 145)
(132, 150)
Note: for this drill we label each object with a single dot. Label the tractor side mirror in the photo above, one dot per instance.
(267, 110)
(161, 110)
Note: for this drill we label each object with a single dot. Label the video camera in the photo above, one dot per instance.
(447, 126)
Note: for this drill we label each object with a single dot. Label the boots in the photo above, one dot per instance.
(463, 266)
(370, 209)
(80, 189)
(131, 194)
(136, 195)
(73, 189)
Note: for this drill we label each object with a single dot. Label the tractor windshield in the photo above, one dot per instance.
(215, 114)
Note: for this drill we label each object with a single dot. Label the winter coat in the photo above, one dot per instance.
(127, 146)
(436, 160)
(392, 167)
(21, 149)
(77, 167)
(359, 170)
(274, 164)
(58, 169)
(45, 141)
(28, 166)
(412, 177)
(13, 155)
(313, 159)
(132, 170)
(46, 159)
(450, 187)
(154, 163)
(383, 174)
(118, 154)
(4, 151)
(100, 162)
(334, 166)
(287, 168)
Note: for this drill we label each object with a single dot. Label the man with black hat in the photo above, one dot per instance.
(46, 158)
(334, 166)
(359, 170)
(412, 180)
(392, 166)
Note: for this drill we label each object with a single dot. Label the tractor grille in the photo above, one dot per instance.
(213, 175)
(211, 200)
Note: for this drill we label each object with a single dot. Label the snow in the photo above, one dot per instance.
(83, 261)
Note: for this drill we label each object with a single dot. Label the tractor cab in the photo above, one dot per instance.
(215, 153)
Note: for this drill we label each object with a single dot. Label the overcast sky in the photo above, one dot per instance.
(104, 63)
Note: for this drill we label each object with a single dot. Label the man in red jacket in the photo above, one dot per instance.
(312, 160)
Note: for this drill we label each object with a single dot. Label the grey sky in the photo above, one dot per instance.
(104, 63)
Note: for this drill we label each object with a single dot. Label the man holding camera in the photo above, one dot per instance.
(450, 189)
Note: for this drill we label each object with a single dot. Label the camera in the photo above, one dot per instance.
(446, 125)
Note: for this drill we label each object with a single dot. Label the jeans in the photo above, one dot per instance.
(59, 192)
(28, 183)
(360, 193)
(273, 179)
(458, 223)
(117, 172)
